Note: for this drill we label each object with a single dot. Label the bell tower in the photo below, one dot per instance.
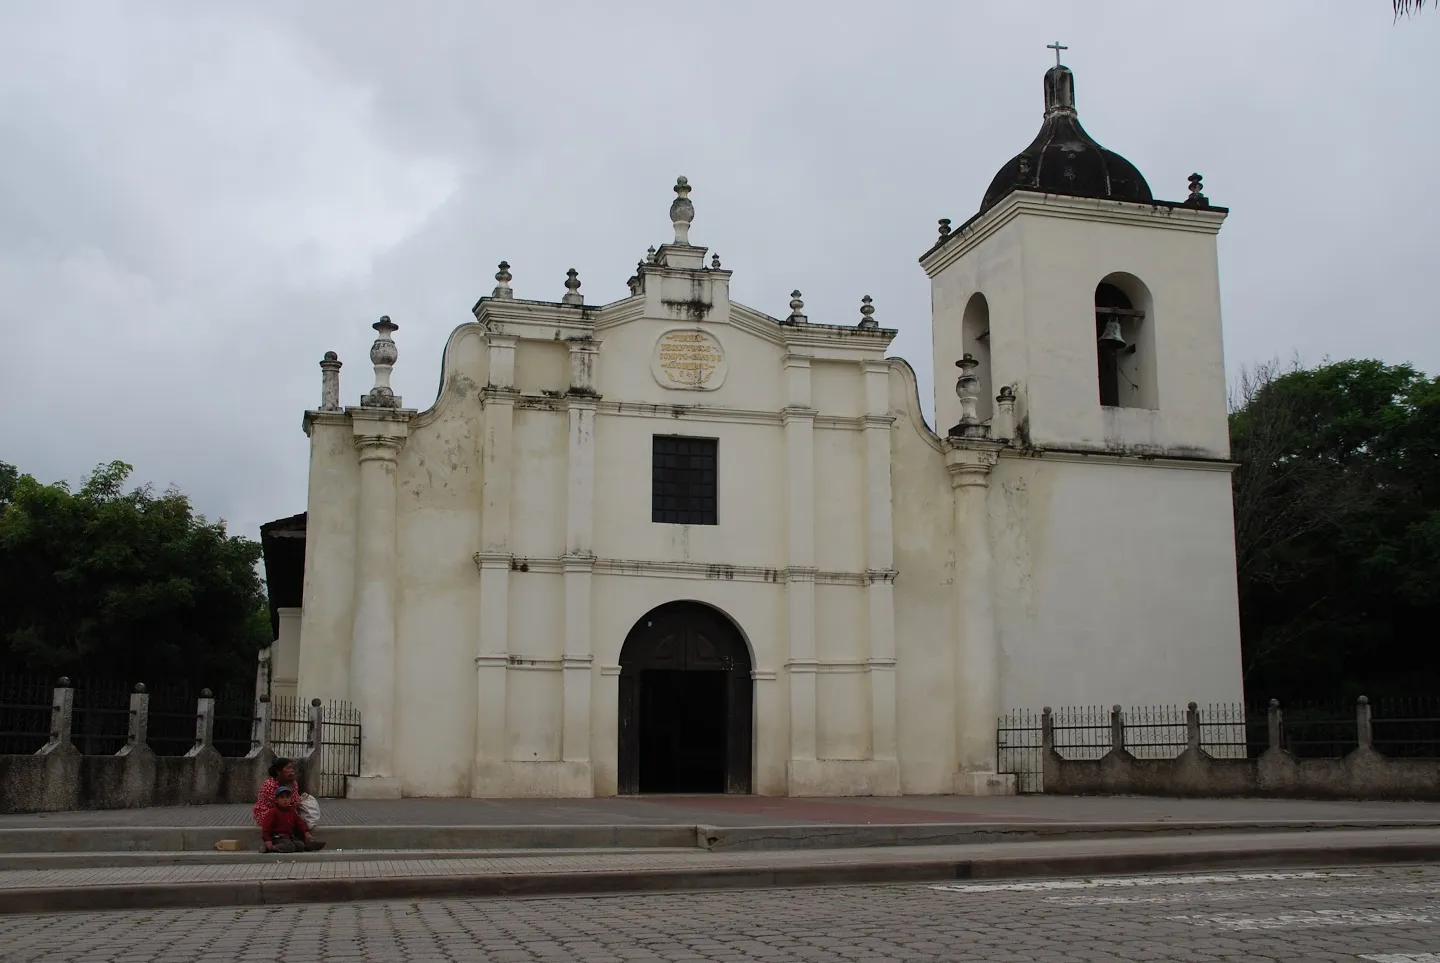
(1096, 303)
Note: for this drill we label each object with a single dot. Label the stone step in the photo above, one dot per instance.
(16, 862)
(303, 880)
(487, 838)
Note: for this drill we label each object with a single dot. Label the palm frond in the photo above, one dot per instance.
(1404, 8)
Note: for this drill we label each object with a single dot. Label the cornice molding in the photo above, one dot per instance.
(1172, 217)
(558, 565)
(1128, 459)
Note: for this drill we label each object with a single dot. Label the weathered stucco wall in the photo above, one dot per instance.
(926, 634)
(1106, 588)
(438, 477)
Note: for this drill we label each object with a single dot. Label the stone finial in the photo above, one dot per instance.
(330, 382)
(967, 388)
(64, 682)
(867, 312)
(140, 687)
(637, 281)
(572, 288)
(1197, 198)
(1002, 428)
(383, 356)
(650, 255)
(797, 309)
(715, 262)
(682, 212)
(944, 227)
(503, 278)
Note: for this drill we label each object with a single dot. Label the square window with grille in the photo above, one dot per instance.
(683, 480)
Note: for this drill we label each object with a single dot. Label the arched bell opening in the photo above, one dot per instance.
(686, 703)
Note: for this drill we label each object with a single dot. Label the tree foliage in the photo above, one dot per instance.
(105, 582)
(1337, 523)
(1404, 8)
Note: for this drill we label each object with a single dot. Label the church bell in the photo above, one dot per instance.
(1110, 338)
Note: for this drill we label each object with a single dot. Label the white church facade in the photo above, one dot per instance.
(672, 543)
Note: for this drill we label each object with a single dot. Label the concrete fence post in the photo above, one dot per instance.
(138, 778)
(1364, 724)
(204, 722)
(139, 732)
(62, 715)
(260, 730)
(1047, 731)
(315, 758)
(1117, 729)
(316, 726)
(1192, 727)
(1276, 726)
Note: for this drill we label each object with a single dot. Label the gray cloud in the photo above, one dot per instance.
(201, 199)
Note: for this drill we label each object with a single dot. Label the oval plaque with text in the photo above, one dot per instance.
(689, 359)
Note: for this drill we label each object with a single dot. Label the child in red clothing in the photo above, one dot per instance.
(282, 829)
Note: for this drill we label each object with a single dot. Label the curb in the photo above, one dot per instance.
(864, 836)
(114, 839)
(291, 891)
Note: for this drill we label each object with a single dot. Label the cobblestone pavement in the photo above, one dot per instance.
(1384, 915)
(753, 811)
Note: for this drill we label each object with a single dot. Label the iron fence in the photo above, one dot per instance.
(100, 723)
(1018, 743)
(24, 713)
(1308, 730)
(174, 712)
(291, 735)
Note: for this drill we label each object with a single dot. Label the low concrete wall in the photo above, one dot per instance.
(58, 778)
(1363, 774)
(65, 780)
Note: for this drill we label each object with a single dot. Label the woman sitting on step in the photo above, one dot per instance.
(282, 773)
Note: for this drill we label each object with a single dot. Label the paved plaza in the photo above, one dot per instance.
(1381, 915)
(756, 811)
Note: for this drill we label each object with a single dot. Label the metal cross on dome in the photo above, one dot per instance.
(1057, 46)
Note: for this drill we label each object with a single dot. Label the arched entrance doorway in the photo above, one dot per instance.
(685, 703)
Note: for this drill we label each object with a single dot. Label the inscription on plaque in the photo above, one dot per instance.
(689, 359)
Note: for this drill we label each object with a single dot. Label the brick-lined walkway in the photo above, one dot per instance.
(754, 811)
(299, 868)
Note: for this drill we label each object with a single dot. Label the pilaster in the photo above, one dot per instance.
(969, 462)
(379, 435)
(799, 426)
(880, 560)
(492, 646)
(579, 560)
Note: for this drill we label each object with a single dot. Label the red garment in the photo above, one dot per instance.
(266, 801)
(283, 822)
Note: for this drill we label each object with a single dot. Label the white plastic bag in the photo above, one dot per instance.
(309, 810)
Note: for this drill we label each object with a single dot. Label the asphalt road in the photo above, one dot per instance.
(1386, 915)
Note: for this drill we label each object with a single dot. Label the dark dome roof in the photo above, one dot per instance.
(1063, 159)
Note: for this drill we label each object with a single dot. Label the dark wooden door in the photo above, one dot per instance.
(738, 738)
(686, 637)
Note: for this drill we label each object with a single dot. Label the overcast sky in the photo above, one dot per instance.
(198, 199)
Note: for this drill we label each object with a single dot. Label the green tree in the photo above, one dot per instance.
(1337, 524)
(1403, 8)
(105, 582)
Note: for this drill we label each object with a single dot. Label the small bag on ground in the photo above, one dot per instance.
(308, 809)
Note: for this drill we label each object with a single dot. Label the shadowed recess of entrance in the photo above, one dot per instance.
(685, 703)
